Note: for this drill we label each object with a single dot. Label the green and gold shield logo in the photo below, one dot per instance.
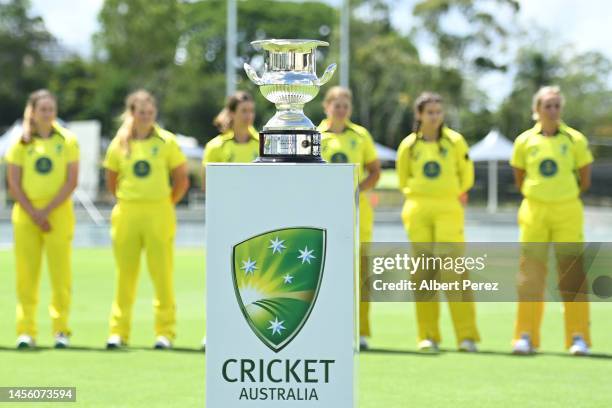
(277, 276)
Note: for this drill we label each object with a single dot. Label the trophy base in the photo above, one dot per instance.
(289, 146)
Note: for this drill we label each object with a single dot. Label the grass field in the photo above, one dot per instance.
(393, 375)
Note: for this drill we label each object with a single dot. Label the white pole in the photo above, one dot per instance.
(492, 202)
(345, 17)
(230, 56)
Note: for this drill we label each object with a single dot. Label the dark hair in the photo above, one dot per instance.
(419, 105)
(223, 120)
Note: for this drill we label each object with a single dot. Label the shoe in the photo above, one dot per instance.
(579, 346)
(363, 343)
(204, 343)
(468, 346)
(523, 346)
(428, 346)
(62, 341)
(114, 342)
(25, 341)
(162, 343)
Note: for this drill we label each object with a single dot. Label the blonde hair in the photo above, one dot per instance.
(126, 130)
(28, 115)
(537, 98)
(223, 120)
(337, 92)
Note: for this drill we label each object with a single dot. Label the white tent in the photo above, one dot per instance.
(385, 153)
(493, 148)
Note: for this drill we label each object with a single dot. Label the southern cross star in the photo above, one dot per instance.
(248, 266)
(277, 245)
(306, 255)
(276, 326)
(288, 279)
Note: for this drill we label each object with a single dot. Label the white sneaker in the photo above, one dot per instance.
(162, 343)
(468, 346)
(579, 346)
(204, 343)
(25, 341)
(428, 346)
(62, 341)
(363, 343)
(523, 346)
(114, 342)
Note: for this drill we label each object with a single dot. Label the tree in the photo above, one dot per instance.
(476, 30)
(584, 79)
(25, 68)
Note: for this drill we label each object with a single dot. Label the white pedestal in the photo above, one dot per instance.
(281, 285)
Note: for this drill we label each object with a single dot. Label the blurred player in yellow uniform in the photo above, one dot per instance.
(435, 174)
(345, 142)
(238, 141)
(139, 163)
(552, 165)
(43, 169)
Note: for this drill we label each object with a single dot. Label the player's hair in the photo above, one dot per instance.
(419, 105)
(29, 127)
(538, 96)
(223, 120)
(126, 130)
(336, 92)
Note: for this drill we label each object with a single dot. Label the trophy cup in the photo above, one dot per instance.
(289, 81)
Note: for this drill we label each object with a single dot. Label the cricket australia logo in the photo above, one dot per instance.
(277, 276)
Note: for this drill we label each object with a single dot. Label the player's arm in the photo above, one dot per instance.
(180, 182)
(519, 177)
(14, 177)
(68, 187)
(111, 181)
(373, 170)
(584, 177)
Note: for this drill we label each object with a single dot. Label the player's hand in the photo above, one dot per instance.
(45, 226)
(40, 218)
(463, 198)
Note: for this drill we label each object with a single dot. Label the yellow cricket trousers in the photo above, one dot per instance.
(561, 224)
(30, 241)
(434, 219)
(150, 226)
(366, 227)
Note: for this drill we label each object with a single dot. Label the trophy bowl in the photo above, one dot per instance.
(289, 81)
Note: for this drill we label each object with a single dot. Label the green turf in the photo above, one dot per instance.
(392, 376)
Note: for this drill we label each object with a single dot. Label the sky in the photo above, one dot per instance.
(584, 25)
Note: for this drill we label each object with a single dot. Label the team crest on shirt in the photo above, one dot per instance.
(431, 169)
(43, 165)
(339, 158)
(277, 276)
(142, 168)
(548, 168)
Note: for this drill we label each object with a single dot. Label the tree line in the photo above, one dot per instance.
(176, 49)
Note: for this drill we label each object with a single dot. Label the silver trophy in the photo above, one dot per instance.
(289, 81)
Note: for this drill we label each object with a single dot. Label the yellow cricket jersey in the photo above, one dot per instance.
(224, 149)
(353, 145)
(439, 169)
(44, 162)
(550, 162)
(144, 172)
